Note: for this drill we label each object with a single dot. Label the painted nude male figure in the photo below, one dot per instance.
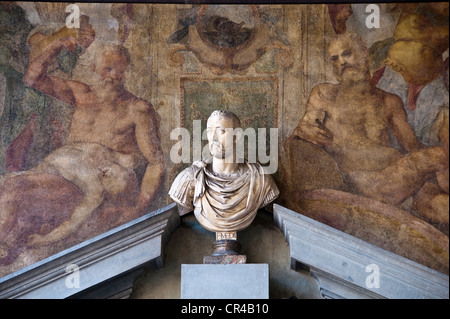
(352, 121)
(113, 134)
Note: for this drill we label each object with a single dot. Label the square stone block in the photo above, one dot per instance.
(225, 281)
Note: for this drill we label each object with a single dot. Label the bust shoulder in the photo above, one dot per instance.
(269, 188)
(183, 187)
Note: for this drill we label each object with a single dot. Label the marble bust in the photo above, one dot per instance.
(224, 194)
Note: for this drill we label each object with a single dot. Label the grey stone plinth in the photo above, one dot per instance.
(118, 254)
(347, 267)
(231, 281)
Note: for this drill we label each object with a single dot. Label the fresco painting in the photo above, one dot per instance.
(360, 103)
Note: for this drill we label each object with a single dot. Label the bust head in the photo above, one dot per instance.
(221, 135)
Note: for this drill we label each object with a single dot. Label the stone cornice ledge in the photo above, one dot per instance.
(347, 267)
(109, 255)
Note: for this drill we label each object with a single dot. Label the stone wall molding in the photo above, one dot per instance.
(347, 267)
(117, 253)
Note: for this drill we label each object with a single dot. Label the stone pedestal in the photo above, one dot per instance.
(226, 252)
(225, 259)
(232, 281)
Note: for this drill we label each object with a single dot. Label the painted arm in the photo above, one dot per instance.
(311, 127)
(36, 74)
(147, 136)
(401, 129)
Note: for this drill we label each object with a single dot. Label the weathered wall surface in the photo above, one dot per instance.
(260, 61)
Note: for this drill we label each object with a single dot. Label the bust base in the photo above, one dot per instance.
(225, 259)
(226, 252)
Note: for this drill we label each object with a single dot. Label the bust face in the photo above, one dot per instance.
(220, 136)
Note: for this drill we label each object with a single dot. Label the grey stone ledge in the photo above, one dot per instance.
(346, 266)
(110, 255)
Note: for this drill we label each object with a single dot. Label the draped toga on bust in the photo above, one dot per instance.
(223, 202)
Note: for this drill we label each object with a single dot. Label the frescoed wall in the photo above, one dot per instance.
(359, 98)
